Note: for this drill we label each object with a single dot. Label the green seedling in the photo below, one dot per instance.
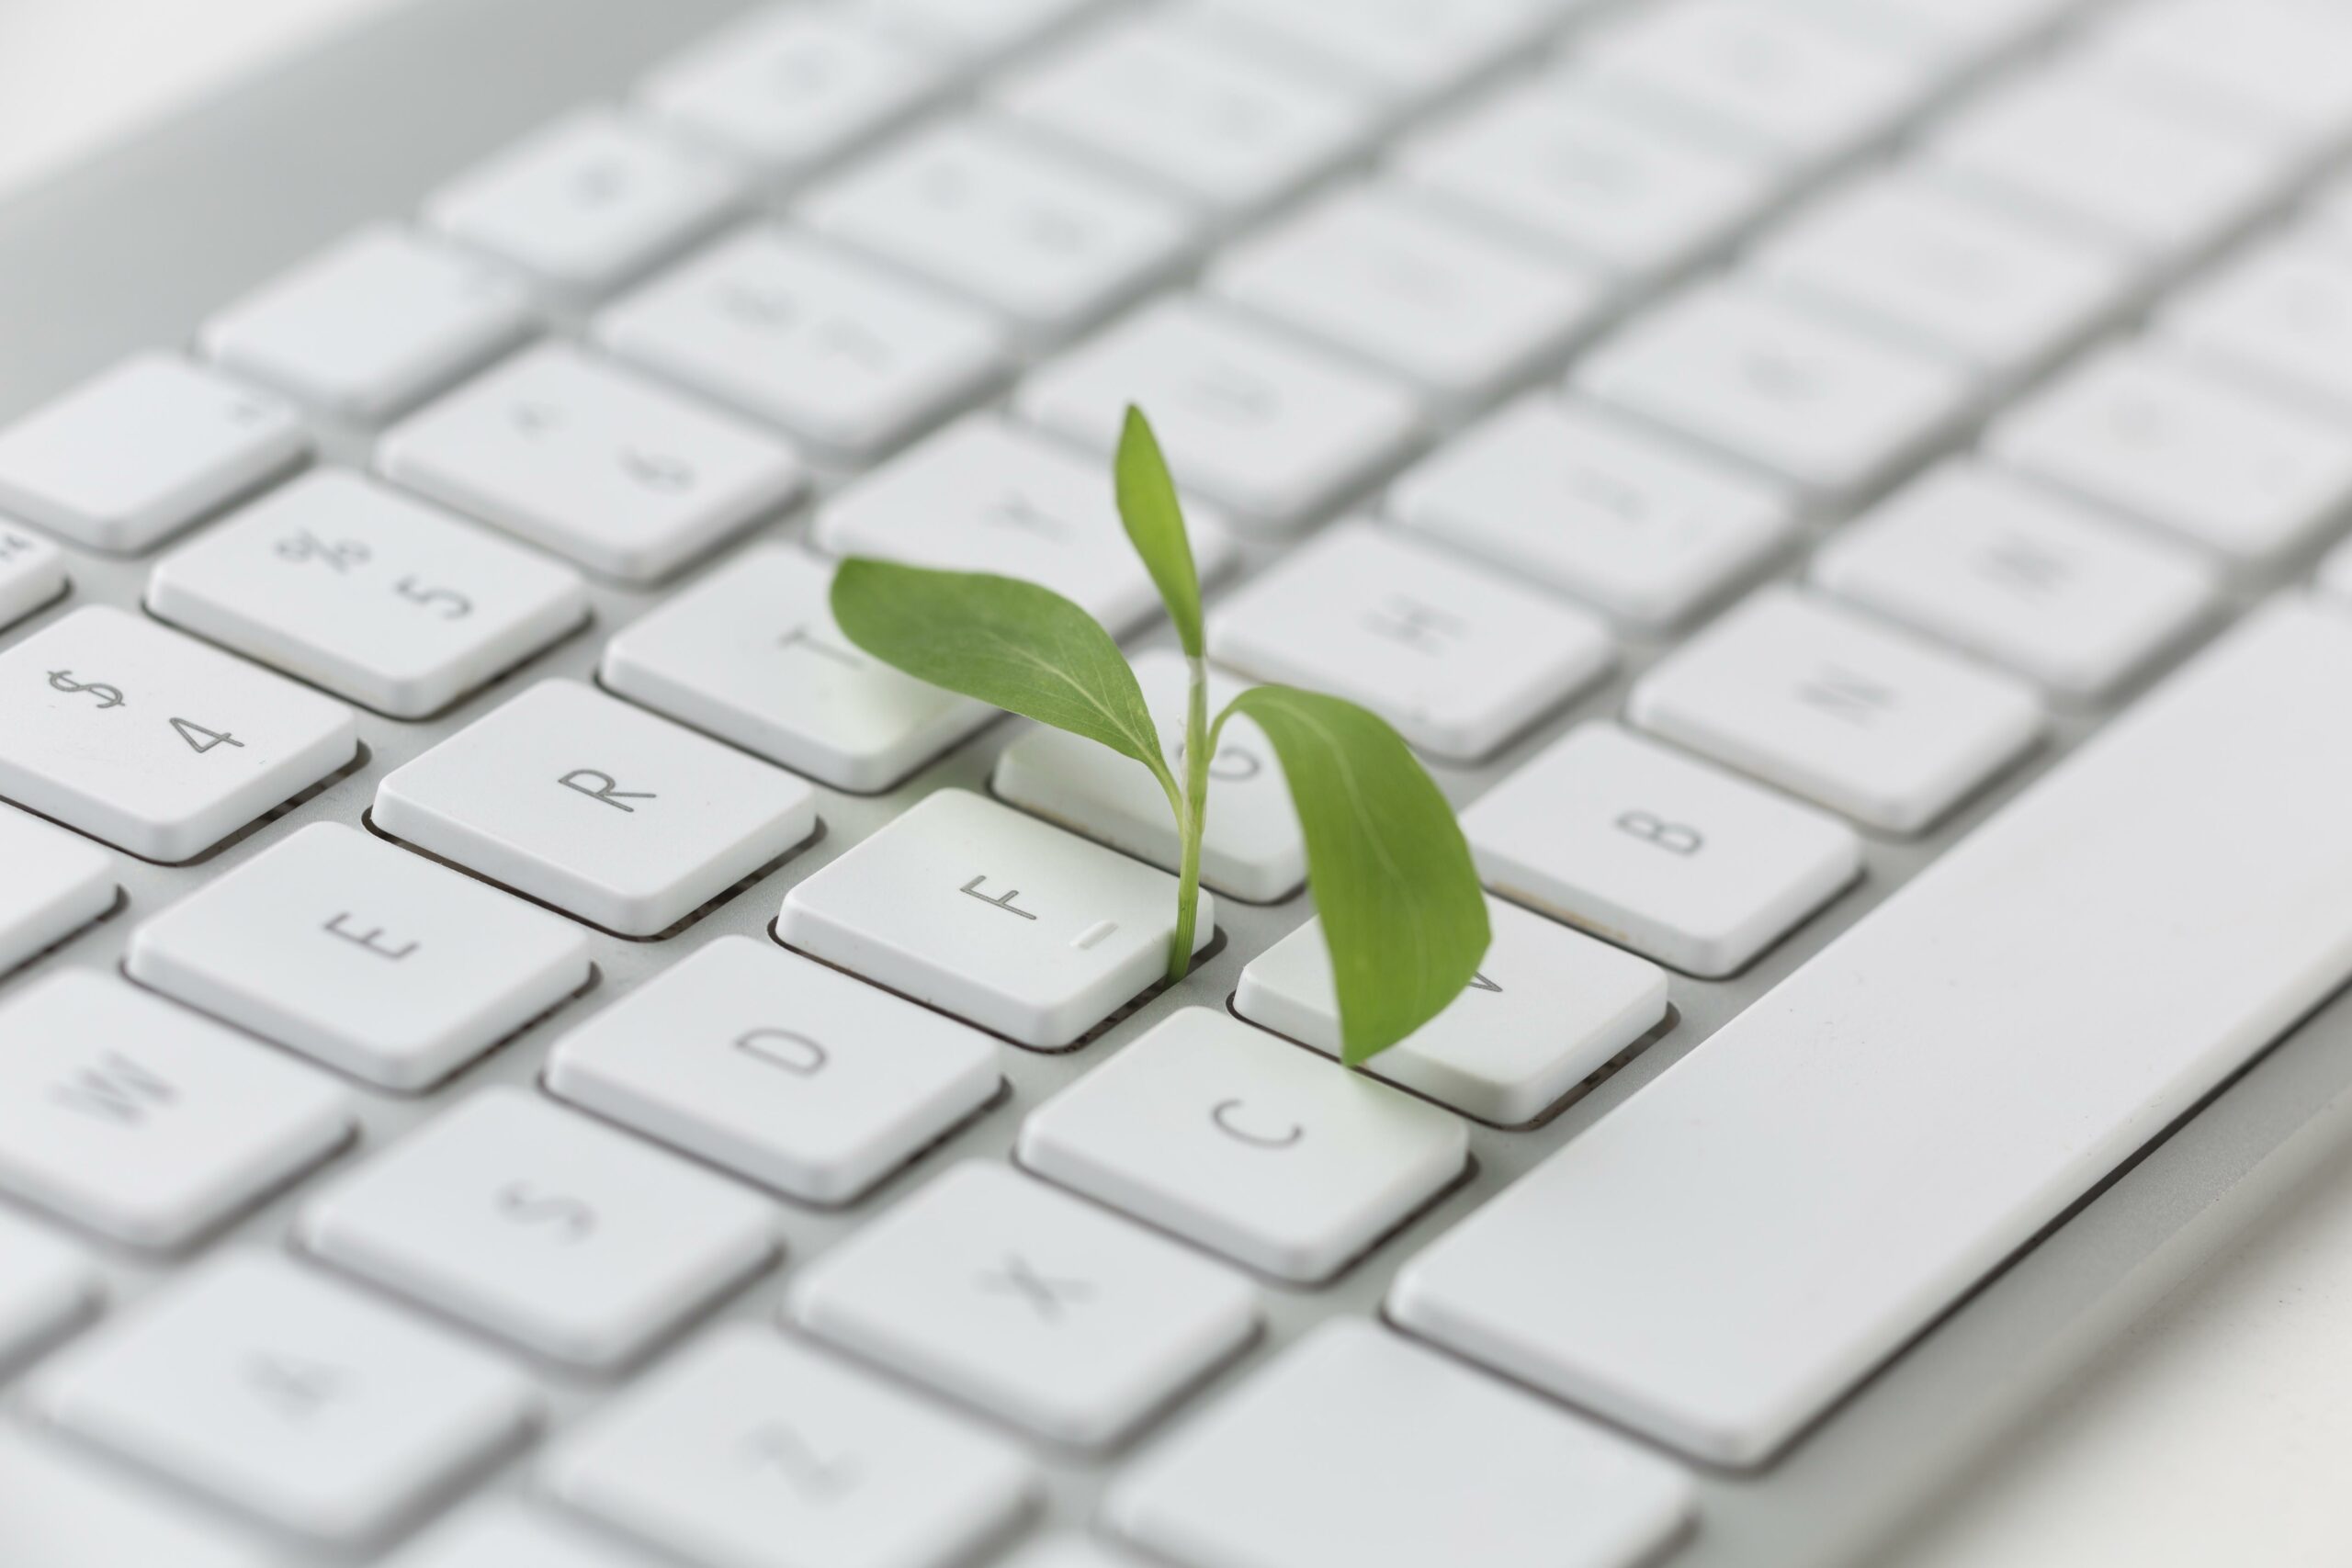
(1402, 913)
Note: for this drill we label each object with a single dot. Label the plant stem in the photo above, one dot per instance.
(1192, 817)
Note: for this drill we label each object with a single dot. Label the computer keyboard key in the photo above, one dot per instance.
(1826, 407)
(1252, 1149)
(2072, 599)
(1233, 130)
(588, 460)
(505, 1534)
(1251, 848)
(1547, 1009)
(2138, 430)
(141, 1121)
(1833, 707)
(1765, 81)
(68, 1511)
(790, 89)
(287, 1396)
(141, 450)
(1726, 1255)
(756, 1451)
(1639, 526)
(1294, 1469)
(849, 358)
(1030, 1305)
(1669, 856)
(973, 908)
(153, 742)
(1382, 273)
(975, 32)
(1948, 273)
(1412, 50)
(32, 574)
(361, 955)
(2274, 63)
(2279, 315)
(1597, 184)
(608, 813)
(56, 885)
(1007, 221)
(778, 1068)
(752, 655)
(45, 1287)
(372, 326)
(987, 495)
(1458, 659)
(586, 203)
(381, 599)
(1266, 426)
(2074, 146)
(574, 1241)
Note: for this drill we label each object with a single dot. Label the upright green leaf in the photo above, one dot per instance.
(1155, 523)
(1399, 898)
(1015, 645)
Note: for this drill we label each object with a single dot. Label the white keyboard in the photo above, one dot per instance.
(521, 1048)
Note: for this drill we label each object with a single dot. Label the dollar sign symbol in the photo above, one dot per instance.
(108, 696)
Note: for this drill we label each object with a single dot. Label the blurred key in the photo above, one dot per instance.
(1414, 50)
(1291, 1469)
(975, 32)
(57, 883)
(140, 451)
(789, 89)
(1601, 185)
(1011, 222)
(1232, 131)
(68, 1511)
(1825, 704)
(2136, 429)
(372, 326)
(45, 1287)
(2063, 595)
(1638, 526)
(2279, 63)
(505, 1534)
(1381, 275)
(586, 460)
(1035, 1306)
(847, 357)
(586, 203)
(754, 1449)
(1259, 424)
(1832, 409)
(142, 1120)
(271, 1388)
(32, 574)
(570, 1239)
(2281, 314)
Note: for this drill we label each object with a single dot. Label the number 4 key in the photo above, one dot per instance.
(154, 741)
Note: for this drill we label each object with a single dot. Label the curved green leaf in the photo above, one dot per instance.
(1010, 643)
(1154, 524)
(1402, 911)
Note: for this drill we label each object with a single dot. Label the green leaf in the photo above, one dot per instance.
(1399, 898)
(1010, 643)
(1155, 521)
